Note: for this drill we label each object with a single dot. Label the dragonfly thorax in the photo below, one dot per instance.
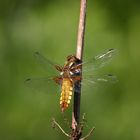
(67, 73)
(71, 69)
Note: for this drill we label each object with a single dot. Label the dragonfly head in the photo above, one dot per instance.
(70, 68)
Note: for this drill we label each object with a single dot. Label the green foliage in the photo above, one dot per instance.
(50, 27)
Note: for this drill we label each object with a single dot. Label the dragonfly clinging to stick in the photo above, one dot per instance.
(65, 76)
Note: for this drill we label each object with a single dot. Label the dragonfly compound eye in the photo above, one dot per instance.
(77, 71)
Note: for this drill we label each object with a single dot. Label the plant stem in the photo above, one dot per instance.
(81, 30)
(79, 55)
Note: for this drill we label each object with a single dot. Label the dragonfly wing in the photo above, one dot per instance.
(98, 61)
(91, 76)
(48, 65)
(97, 81)
(47, 85)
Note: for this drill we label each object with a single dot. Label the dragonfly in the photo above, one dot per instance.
(74, 70)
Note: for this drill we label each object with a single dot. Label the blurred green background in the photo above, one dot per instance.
(50, 27)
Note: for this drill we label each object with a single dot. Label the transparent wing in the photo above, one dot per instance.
(92, 76)
(99, 80)
(48, 65)
(98, 61)
(47, 85)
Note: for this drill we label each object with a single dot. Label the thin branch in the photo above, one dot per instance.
(81, 30)
(77, 132)
(56, 124)
(89, 134)
(79, 55)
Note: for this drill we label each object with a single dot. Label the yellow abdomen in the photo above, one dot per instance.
(66, 93)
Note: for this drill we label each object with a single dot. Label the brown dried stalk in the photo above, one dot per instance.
(79, 55)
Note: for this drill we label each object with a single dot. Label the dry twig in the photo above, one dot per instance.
(89, 134)
(79, 54)
(61, 129)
